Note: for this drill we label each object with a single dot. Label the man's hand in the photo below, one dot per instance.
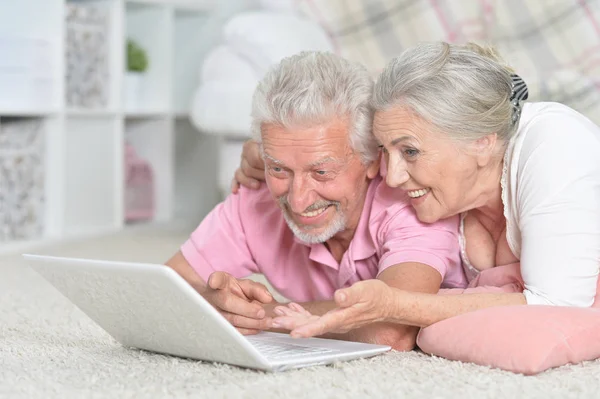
(252, 168)
(239, 301)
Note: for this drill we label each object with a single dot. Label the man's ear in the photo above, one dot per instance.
(373, 168)
(485, 148)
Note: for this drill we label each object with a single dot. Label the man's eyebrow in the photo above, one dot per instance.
(325, 160)
(270, 158)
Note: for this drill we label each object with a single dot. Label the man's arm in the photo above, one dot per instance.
(239, 301)
(185, 270)
(413, 277)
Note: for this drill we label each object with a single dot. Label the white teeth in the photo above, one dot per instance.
(418, 193)
(312, 214)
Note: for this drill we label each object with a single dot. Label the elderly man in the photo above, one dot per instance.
(325, 219)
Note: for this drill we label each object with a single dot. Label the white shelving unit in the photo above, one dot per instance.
(84, 145)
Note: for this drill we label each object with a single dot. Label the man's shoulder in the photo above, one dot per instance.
(387, 199)
(391, 210)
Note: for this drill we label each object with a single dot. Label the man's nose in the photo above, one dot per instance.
(300, 195)
(397, 173)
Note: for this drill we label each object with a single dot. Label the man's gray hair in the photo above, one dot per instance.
(311, 88)
(464, 90)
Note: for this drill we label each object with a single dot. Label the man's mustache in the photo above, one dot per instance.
(283, 201)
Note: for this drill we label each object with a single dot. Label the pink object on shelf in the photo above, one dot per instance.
(139, 187)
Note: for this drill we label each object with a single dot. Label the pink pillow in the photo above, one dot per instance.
(524, 339)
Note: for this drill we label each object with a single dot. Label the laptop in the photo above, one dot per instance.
(151, 307)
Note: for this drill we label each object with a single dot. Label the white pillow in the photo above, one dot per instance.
(221, 63)
(265, 37)
(223, 108)
(279, 5)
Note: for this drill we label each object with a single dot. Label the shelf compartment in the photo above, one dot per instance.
(22, 190)
(150, 27)
(93, 169)
(88, 50)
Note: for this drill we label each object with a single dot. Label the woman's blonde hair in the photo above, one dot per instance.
(464, 90)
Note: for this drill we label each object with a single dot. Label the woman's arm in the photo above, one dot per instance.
(372, 301)
(407, 276)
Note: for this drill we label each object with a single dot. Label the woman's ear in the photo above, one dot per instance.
(373, 168)
(485, 148)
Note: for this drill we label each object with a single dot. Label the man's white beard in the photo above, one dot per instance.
(335, 226)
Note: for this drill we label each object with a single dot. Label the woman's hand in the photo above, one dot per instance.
(252, 168)
(292, 316)
(364, 303)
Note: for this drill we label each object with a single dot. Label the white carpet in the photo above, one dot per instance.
(48, 348)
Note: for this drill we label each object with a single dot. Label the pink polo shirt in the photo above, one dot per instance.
(247, 234)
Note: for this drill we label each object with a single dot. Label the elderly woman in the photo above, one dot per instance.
(525, 179)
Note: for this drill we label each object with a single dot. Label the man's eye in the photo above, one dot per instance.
(321, 172)
(276, 169)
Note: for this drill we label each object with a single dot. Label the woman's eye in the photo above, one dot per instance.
(276, 169)
(411, 152)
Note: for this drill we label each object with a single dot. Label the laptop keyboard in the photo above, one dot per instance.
(280, 350)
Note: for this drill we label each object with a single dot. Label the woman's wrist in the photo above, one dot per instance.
(393, 311)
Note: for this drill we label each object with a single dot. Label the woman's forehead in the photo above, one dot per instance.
(399, 124)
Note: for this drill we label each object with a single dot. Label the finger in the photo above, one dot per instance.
(252, 172)
(232, 303)
(286, 311)
(226, 282)
(235, 289)
(279, 311)
(246, 181)
(235, 186)
(218, 280)
(247, 331)
(285, 322)
(252, 153)
(310, 329)
(240, 321)
(299, 309)
(256, 291)
(338, 320)
(257, 174)
(347, 297)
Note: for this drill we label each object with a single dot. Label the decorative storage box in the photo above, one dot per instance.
(21, 178)
(139, 187)
(87, 59)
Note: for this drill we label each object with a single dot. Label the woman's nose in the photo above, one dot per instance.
(396, 173)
